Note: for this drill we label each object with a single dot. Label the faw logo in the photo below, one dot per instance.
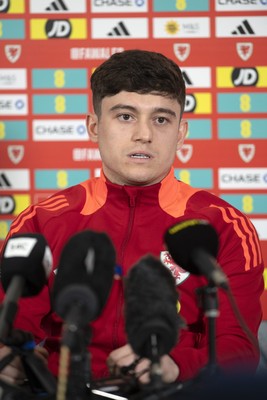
(15, 153)
(246, 152)
(244, 50)
(185, 153)
(179, 274)
(181, 51)
(12, 52)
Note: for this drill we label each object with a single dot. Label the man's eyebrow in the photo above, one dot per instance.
(121, 106)
(165, 111)
(132, 108)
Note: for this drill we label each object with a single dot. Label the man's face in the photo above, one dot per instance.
(138, 136)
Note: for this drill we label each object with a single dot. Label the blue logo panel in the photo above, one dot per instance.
(12, 29)
(13, 130)
(198, 178)
(182, 5)
(248, 203)
(242, 102)
(242, 128)
(60, 104)
(59, 179)
(59, 78)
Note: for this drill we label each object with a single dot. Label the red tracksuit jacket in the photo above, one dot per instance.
(136, 218)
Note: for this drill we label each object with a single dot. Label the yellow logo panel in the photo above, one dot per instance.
(229, 77)
(203, 103)
(15, 7)
(4, 228)
(22, 201)
(73, 28)
(265, 278)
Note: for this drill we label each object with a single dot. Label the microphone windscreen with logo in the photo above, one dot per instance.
(183, 238)
(28, 256)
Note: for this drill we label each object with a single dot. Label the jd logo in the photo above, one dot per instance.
(7, 205)
(190, 103)
(245, 76)
(58, 29)
(4, 6)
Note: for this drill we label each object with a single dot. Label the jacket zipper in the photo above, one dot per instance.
(132, 203)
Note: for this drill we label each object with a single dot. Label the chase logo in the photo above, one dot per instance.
(246, 77)
(12, 6)
(73, 28)
(242, 178)
(13, 104)
(119, 6)
(241, 5)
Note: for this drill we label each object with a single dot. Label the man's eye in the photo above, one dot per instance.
(161, 120)
(125, 117)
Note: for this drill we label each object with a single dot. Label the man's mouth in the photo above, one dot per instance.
(140, 155)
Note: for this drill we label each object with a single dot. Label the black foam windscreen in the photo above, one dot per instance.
(188, 236)
(28, 256)
(85, 274)
(151, 307)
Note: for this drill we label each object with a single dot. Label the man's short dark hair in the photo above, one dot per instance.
(139, 71)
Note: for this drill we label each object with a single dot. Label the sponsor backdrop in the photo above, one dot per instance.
(48, 50)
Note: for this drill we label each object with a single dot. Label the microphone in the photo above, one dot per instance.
(84, 277)
(81, 288)
(25, 266)
(151, 317)
(193, 244)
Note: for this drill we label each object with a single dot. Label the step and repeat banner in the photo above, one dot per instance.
(48, 51)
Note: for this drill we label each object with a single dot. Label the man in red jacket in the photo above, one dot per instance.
(138, 99)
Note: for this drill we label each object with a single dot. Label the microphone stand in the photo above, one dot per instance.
(39, 379)
(77, 361)
(209, 302)
(157, 389)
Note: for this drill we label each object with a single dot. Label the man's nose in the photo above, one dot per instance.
(143, 132)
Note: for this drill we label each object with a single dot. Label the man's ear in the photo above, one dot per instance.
(92, 126)
(182, 132)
